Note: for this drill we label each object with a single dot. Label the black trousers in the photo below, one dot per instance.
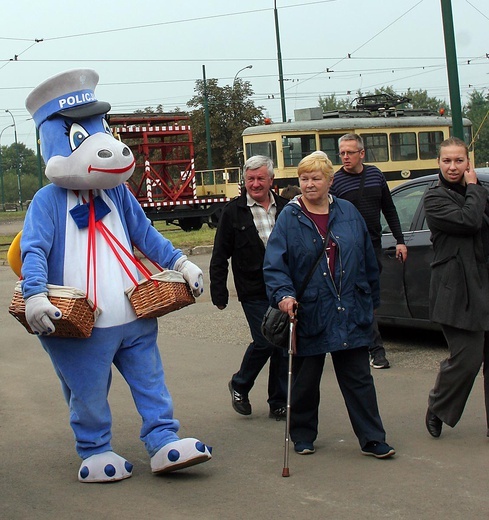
(356, 383)
(468, 351)
(257, 354)
(377, 346)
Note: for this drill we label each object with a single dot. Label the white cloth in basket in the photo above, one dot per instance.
(63, 291)
(168, 275)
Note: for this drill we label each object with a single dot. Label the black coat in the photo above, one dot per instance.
(459, 288)
(237, 238)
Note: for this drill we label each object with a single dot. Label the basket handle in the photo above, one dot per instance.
(91, 251)
(112, 240)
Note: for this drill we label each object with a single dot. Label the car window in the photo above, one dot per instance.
(407, 201)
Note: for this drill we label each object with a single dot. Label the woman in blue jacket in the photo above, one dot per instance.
(335, 313)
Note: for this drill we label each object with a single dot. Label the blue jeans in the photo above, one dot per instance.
(256, 356)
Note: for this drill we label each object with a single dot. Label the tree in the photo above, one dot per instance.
(151, 110)
(19, 164)
(331, 102)
(230, 111)
(477, 110)
(420, 99)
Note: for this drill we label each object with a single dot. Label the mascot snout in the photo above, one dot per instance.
(100, 160)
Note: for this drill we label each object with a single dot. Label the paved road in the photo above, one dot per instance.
(201, 347)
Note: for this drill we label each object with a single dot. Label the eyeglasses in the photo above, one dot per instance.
(347, 154)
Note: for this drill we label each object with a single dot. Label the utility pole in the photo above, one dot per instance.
(1, 171)
(19, 184)
(280, 71)
(451, 57)
(207, 123)
(39, 162)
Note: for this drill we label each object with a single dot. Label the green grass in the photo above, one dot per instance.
(8, 216)
(179, 238)
(187, 239)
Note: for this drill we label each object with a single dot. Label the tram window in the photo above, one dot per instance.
(429, 143)
(376, 148)
(297, 147)
(329, 145)
(403, 146)
(267, 148)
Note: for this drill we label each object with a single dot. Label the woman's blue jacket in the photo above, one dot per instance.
(333, 313)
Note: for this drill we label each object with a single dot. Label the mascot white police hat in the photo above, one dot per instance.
(70, 94)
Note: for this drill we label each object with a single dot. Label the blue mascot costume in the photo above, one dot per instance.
(88, 166)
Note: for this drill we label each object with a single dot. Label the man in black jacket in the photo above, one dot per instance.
(244, 227)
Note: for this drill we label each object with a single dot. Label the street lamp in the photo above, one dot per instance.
(1, 171)
(241, 70)
(233, 99)
(19, 186)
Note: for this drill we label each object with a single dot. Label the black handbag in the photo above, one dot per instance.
(275, 327)
(275, 324)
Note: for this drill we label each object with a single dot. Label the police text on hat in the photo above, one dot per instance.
(70, 94)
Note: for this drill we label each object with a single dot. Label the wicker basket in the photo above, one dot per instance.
(78, 315)
(165, 292)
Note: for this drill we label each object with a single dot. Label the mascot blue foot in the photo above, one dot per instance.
(180, 454)
(104, 467)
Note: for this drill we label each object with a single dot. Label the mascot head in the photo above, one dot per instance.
(77, 145)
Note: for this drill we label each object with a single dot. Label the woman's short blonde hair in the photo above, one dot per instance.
(314, 162)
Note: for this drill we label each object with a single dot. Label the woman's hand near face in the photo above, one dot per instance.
(470, 176)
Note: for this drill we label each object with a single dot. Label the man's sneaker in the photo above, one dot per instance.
(279, 414)
(380, 450)
(240, 402)
(379, 361)
(304, 448)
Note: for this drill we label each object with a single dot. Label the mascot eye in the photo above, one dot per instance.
(77, 135)
(107, 127)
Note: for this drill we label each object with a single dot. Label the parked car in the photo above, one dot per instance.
(404, 288)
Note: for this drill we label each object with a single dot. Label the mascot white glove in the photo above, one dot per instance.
(192, 274)
(39, 312)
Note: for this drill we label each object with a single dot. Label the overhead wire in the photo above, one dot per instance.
(329, 70)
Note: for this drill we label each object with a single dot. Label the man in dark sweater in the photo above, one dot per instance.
(365, 186)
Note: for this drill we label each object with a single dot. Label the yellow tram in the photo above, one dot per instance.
(403, 143)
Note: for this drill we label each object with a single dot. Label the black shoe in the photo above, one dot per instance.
(240, 402)
(279, 414)
(304, 448)
(433, 424)
(379, 361)
(379, 450)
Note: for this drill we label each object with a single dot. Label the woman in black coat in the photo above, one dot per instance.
(457, 214)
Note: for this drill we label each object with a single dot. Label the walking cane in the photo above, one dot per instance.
(291, 352)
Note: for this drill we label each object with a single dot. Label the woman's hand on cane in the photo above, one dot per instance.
(288, 304)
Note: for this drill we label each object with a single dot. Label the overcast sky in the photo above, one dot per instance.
(150, 52)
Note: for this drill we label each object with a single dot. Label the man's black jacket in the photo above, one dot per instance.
(237, 238)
